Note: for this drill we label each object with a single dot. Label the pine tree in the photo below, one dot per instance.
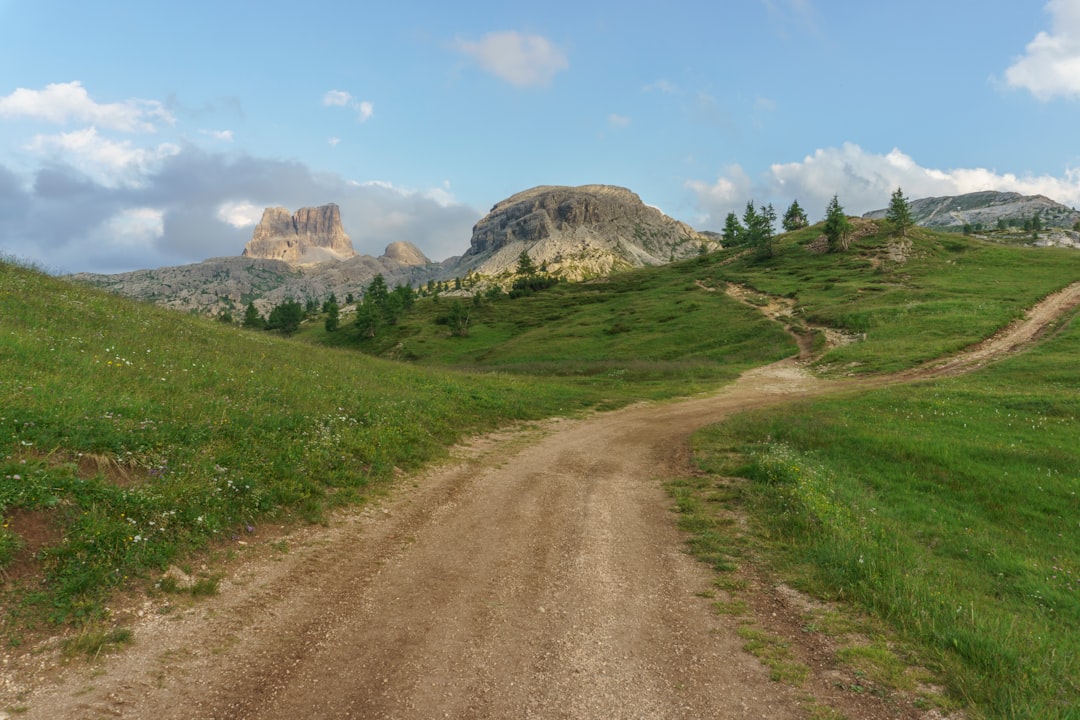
(252, 318)
(286, 317)
(525, 266)
(899, 213)
(837, 226)
(733, 231)
(758, 229)
(459, 319)
(333, 317)
(795, 217)
(371, 314)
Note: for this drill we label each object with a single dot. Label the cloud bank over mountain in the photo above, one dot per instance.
(193, 204)
(863, 181)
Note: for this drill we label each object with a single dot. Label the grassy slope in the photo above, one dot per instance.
(951, 292)
(947, 508)
(202, 429)
(216, 428)
(652, 324)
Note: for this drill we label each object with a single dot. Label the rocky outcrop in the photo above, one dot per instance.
(406, 254)
(578, 232)
(310, 235)
(985, 209)
(219, 284)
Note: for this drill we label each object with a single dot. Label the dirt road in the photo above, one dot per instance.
(539, 576)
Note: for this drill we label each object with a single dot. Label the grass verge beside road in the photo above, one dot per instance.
(949, 509)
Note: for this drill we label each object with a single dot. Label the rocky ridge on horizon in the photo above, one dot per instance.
(574, 232)
(985, 209)
(230, 283)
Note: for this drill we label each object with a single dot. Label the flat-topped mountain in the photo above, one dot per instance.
(308, 236)
(578, 232)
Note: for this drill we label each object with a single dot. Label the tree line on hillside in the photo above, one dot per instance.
(381, 307)
(756, 227)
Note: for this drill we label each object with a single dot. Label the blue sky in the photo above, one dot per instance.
(142, 134)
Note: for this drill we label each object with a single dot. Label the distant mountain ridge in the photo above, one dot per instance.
(985, 209)
(230, 283)
(573, 232)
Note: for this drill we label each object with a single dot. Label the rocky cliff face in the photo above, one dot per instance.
(578, 232)
(310, 235)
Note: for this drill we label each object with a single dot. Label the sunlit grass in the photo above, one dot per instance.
(198, 430)
(654, 324)
(949, 293)
(949, 509)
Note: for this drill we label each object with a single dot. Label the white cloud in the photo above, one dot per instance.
(1051, 66)
(862, 181)
(196, 204)
(336, 98)
(241, 214)
(223, 135)
(442, 196)
(110, 162)
(728, 193)
(339, 98)
(662, 86)
(521, 60)
(137, 227)
(618, 121)
(61, 103)
(333, 141)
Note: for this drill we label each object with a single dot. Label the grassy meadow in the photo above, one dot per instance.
(654, 325)
(949, 292)
(132, 436)
(951, 509)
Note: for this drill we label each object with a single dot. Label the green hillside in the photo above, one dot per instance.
(906, 302)
(132, 436)
(650, 324)
(949, 508)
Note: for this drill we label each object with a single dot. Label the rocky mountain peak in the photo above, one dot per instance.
(310, 235)
(578, 232)
(405, 253)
